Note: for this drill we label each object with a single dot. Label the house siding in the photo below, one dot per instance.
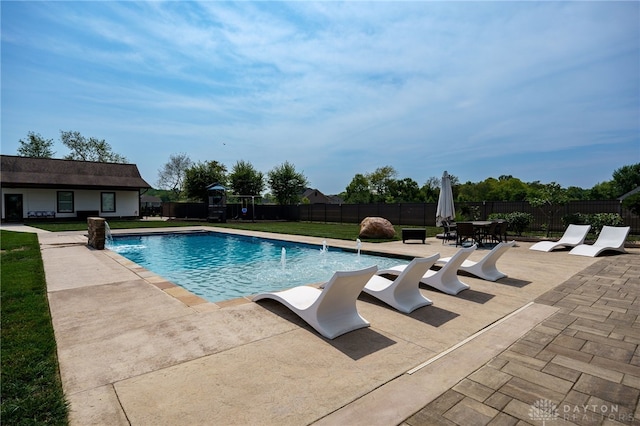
(34, 199)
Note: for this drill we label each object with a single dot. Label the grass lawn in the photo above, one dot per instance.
(31, 390)
(341, 231)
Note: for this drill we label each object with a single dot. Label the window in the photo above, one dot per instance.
(108, 202)
(65, 202)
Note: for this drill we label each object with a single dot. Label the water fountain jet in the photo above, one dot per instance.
(283, 257)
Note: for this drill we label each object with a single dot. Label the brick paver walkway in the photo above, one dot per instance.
(580, 366)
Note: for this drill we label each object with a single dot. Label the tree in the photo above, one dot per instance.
(550, 199)
(380, 181)
(36, 146)
(286, 183)
(358, 190)
(625, 179)
(91, 149)
(404, 190)
(505, 188)
(245, 179)
(430, 190)
(577, 193)
(602, 191)
(199, 176)
(172, 175)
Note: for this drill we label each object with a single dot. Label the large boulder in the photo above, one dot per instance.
(376, 227)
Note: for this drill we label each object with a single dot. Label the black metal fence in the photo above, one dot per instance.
(234, 211)
(410, 214)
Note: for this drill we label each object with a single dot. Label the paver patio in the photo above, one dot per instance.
(134, 349)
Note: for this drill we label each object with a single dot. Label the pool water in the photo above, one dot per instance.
(219, 267)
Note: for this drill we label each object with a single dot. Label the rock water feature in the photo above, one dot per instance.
(99, 233)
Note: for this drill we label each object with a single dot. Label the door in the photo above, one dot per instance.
(13, 207)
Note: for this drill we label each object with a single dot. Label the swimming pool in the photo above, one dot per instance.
(218, 266)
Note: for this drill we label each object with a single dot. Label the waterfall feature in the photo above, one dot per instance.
(108, 238)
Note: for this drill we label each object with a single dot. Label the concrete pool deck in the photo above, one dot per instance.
(134, 349)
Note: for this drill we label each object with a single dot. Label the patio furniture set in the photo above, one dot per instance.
(479, 232)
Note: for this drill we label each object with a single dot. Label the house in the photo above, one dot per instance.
(316, 197)
(634, 191)
(34, 188)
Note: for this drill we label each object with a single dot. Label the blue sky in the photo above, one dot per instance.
(543, 91)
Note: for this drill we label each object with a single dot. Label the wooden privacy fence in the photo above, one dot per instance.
(410, 214)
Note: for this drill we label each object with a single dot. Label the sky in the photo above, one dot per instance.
(541, 91)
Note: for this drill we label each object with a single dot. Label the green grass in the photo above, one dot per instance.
(31, 390)
(340, 231)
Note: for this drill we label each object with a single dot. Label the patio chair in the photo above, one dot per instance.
(573, 236)
(449, 231)
(332, 310)
(403, 292)
(610, 238)
(465, 231)
(492, 234)
(446, 278)
(485, 268)
(502, 231)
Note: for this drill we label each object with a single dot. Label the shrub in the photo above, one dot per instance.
(598, 220)
(575, 218)
(518, 221)
(469, 213)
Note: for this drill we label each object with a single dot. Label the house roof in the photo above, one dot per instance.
(56, 173)
(630, 193)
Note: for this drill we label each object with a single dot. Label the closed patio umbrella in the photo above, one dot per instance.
(445, 210)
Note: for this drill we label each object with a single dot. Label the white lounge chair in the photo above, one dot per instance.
(573, 236)
(446, 279)
(610, 238)
(332, 310)
(485, 268)
(403, 293)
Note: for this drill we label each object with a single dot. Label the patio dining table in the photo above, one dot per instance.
(480, 228)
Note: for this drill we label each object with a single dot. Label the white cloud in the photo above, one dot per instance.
(415, 85)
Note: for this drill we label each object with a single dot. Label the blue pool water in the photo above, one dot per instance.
(219, 267)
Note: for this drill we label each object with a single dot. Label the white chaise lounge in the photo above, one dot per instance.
(610, 238)
(486, 267)
(446, 279)
(332, 310)
(573, 236)
(403, 292)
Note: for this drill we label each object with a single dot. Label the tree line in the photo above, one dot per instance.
(181, 179)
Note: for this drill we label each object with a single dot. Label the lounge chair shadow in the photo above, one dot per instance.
(512, 282)
(355, 344)
(433, 315)
(430, 315)
(470, 294)
(360, 343)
